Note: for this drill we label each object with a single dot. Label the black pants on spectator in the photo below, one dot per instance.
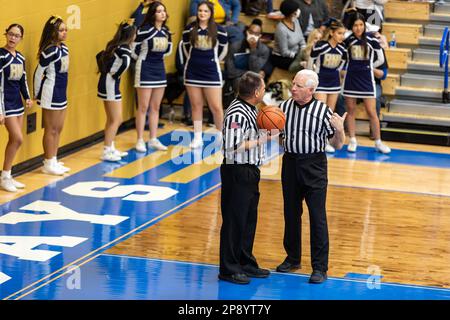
(239, 202)
(304, 177)
(281, 62)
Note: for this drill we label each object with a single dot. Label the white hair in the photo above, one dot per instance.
(312, 79)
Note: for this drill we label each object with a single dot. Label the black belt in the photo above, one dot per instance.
(305, 156)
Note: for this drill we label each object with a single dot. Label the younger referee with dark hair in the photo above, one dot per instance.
(243, 152)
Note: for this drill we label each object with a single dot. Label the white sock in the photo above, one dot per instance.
(141, 140)
(153, 139)
(50, 161)
(107, 148)
(378, 142)
(113, 147)
(198, 135)
(353, 139)
(6, 174)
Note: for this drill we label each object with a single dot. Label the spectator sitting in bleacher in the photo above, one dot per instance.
(249, 54)
(288, 36)
(226, 12)
(303, 59)
(312, 14)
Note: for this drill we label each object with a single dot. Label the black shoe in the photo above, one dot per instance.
(256, 272)
(160, 125)
(286, 266)
(318, 276)
(187, 121)
(238, 278)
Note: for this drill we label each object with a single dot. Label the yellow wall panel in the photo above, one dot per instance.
(98, 22)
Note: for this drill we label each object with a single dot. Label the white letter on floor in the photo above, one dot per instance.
(152, 193)
(56, 211)
(22, 247)
(4, 277)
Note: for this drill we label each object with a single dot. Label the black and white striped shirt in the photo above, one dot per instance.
(240, 126)
(307, 127)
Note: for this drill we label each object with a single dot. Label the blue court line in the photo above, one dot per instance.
(389, 190)
(116, 277)
(398, 156)
(361, 276)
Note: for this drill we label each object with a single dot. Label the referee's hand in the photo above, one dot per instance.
(337, 121)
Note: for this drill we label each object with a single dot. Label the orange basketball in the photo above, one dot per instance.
(271, 118)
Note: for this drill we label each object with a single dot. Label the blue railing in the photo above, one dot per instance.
(443, 63)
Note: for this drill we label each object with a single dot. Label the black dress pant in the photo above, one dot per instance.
(281, 62)
(304, 177)
(239, 202)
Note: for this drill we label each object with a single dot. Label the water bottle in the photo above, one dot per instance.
(393, 42)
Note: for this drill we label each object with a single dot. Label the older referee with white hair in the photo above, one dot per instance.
(309, 123)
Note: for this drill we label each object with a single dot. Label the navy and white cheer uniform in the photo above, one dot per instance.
(329, 62)
(13, 83)
(2, 106)
(202, 67)
(359, 79)
(152, 45)
(109, 83)
(50, 78)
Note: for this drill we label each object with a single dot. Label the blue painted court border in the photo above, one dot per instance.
(398, 156)
(117, 277)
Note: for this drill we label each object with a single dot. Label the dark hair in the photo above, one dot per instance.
(124, 35)
(248, 84)
(150, 17)
(16, 25)
(255, 22)
(358, 16)
(49, 35)
(333, 26)
(212, 26)
(258, 22)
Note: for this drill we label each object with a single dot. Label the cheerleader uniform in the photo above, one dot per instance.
(50, 78)
(13, 83)
(2, 107)
(329, 61)
(151, 46)
(202, 68)
(109, 83)
(359, 79)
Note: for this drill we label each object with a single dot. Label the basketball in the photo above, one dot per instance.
(271, 118)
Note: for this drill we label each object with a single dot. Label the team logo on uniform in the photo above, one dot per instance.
(16, 71)
(332, 61)
(358, 53)
(160, 44)
(204, 43)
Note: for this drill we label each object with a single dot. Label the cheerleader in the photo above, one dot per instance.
(329, 56)
(153, 43)
(112, 63)
(205, 44)
(14, 87)
(50, 89)
(365, 55)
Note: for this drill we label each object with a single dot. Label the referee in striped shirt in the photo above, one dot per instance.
(309, 123)
(243, 148)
